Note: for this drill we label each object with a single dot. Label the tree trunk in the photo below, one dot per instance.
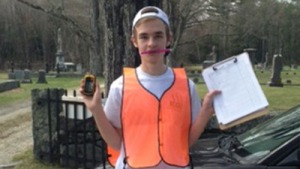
(178, 22)
(114, 41)
(119, 51)
(96, 62)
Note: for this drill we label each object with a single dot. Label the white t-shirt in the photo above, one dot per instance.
(156, 85)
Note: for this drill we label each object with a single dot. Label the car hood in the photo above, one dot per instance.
(207, 152)
(250, 147)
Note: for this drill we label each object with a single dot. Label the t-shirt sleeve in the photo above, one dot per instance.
(196, 104)
(112, 107)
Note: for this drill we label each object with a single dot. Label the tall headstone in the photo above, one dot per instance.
(277, 67)
(60, 59)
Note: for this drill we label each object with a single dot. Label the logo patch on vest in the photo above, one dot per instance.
(176, 102)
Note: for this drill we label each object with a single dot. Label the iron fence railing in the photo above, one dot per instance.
(76, 142)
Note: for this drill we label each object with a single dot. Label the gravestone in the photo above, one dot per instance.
(27, 76)
(42, 76)
(11, 76)
(277, 67)
(294, 66)
(19, 74)
(16, 75)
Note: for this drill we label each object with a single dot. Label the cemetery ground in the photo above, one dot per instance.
(15, 123)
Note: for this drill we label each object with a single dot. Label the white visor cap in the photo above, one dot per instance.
(150, 11)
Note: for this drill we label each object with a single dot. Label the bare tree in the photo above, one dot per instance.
(96, 64)
(118, 49)
(183, 14)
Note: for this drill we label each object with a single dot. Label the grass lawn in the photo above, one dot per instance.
(29, 162)
(24, 92)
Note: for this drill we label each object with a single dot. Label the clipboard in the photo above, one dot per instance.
(242, 98)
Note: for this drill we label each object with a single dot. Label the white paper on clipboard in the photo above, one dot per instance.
(241, 93)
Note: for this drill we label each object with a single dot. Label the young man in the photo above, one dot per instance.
(152, 114)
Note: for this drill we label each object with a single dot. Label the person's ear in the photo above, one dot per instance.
(133, 41)
(170, 39)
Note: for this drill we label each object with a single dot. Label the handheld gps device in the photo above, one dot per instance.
(89, 84)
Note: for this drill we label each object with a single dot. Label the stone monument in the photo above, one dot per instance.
(60, 59)
(213, 54)
(277, 67)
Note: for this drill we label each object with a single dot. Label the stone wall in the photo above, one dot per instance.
(9, 85)
(43, 126)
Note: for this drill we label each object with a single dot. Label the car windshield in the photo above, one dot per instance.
(261, 140)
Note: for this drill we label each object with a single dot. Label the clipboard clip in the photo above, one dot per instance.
(234, 61)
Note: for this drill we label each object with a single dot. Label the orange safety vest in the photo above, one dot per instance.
(155, 130)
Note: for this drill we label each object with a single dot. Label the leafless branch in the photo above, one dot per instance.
(80, 32)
